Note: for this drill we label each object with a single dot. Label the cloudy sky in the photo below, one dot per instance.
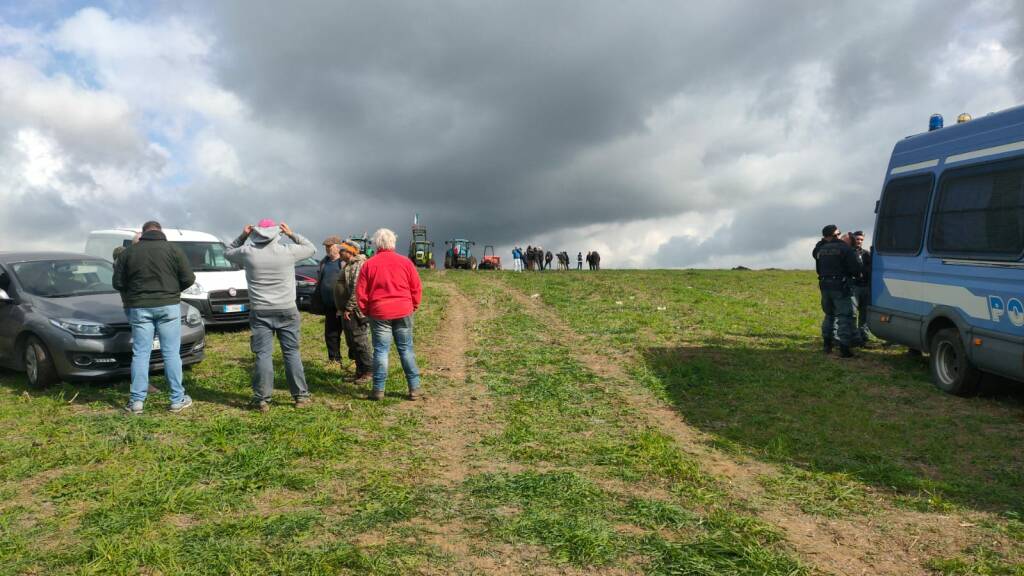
(661, 133)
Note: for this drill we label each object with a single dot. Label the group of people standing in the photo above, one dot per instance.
(844, 279)
(536, 258)
(359, 295)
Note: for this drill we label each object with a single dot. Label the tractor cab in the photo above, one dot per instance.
(421, 250)
(460, 254)
(490, 260)
(365, 246)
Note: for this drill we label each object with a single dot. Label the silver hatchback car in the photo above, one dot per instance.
(61, 319)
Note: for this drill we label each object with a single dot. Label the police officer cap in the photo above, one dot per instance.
(829, 231)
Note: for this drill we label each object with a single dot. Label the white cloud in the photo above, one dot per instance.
(218, 159)
(42, 161)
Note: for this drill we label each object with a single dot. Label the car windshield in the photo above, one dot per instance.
(206, 256)
(63, 278)
(308, 262)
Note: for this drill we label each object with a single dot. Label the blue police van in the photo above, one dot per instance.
(948, 274)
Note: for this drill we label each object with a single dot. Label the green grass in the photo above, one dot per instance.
(738, 354)
(564, 466)
(216, 490)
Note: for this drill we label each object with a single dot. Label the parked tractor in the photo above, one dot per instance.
(459, 254)
(490, 260)
(365, 246)
(421, 250)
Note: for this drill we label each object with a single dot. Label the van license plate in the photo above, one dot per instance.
(234, 308)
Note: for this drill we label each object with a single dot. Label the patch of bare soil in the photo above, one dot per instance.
(455, 412)
(889, 541)
(456, 415)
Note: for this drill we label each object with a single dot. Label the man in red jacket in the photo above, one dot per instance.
(388, 292)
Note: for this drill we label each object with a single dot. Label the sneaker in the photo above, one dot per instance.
(362, 378)
(186, 402)
(845, 352)
(415, 394)
(375, 395)
(303, 402)
(259, 406)
(134, 408)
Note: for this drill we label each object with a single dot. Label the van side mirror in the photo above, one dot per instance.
(5, 280)
(877, 204)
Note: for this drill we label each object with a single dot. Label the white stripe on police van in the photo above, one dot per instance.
(1011, 147)
(912, 167)
(940, 295)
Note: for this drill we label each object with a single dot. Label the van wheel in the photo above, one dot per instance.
(38, 364)
(952, 371)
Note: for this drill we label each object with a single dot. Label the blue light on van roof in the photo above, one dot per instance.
(935, 122)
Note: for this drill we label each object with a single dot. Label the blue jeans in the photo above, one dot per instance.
(400, 330)
(164, 322)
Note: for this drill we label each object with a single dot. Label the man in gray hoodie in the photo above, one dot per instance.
(270, 272)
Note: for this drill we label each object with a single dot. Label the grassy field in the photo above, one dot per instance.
(640, 422)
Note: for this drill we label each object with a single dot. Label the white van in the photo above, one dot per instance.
(220, 292)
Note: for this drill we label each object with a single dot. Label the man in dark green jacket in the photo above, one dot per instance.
(150, 276)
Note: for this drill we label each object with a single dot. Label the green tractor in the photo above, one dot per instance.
(365, 246)
(459, 254)
(421, 250)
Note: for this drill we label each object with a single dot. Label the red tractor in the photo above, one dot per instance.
(490, 262)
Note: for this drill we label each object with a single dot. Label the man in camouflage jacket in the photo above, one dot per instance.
(355, 325)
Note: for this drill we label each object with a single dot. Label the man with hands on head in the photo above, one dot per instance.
(269, 265)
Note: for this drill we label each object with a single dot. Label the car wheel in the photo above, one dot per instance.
(952, 372)
(38, 364)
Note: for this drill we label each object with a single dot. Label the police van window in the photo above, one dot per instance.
(979, 213)
(902, 214)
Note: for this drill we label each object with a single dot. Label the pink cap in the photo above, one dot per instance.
(266, 223)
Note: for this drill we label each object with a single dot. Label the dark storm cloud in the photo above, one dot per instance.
(512, 121)
(467, 112)
(463, 110)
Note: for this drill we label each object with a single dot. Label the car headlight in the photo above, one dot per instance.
(84, 329)
(195, 290)
(193, 317)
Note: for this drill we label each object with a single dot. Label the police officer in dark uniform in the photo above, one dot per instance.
(862, 287)
(837, 265)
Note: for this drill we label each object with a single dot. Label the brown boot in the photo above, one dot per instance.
(416, 394)
(375, 395)
(363, 378)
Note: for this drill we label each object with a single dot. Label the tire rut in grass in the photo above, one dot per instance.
(455, 412)
(855, 545)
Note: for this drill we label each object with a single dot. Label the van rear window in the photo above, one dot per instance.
(902, 214)
(979, 213)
